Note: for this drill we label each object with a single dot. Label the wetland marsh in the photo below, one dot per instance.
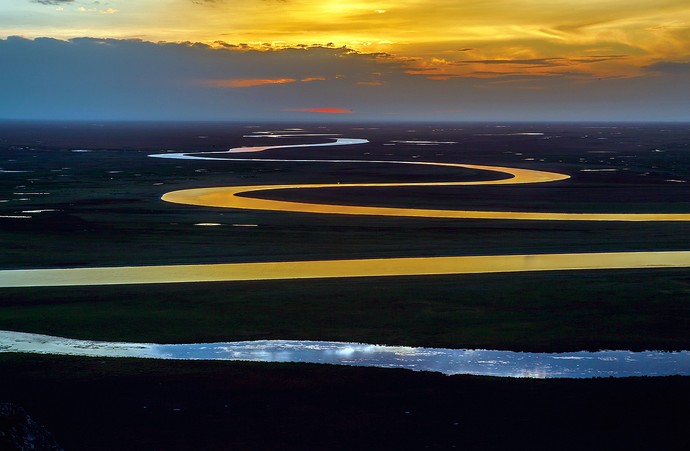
(84, 196)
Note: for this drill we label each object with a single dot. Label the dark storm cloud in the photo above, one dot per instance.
(669, 67)
(545, 62)
(52, 2)
(535, 61)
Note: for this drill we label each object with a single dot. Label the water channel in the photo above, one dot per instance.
(447, 361)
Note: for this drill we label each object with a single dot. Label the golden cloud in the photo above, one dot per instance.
(309, 79)
(246, 82)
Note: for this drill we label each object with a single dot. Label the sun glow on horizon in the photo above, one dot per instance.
(444, 38)
(357, 49)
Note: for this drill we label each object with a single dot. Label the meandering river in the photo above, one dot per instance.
(447, 361)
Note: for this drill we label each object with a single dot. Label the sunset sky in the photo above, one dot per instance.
(351, 60)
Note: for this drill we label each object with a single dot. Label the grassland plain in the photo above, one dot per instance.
(555, 312)
(107, 212)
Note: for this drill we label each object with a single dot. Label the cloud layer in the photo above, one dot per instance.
(441, 37)
(52, 2)
(89, 78)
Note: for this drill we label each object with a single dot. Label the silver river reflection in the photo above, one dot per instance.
(446, 361)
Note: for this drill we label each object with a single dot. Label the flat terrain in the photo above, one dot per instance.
(562, 311)
(105, 210)
(125, 404)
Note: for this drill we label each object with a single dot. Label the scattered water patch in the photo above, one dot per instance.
(423, 143)
(196, 155)
(511, 134)
(289, 135)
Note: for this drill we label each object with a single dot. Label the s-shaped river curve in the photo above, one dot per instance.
(229, 197)
(236, 196)
(448, 361)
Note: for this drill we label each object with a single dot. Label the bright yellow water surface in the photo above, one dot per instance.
(341, 268)
(228, 197)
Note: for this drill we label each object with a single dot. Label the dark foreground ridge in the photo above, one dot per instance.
(115, 404)
(18, 431)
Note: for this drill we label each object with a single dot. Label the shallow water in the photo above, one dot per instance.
(317, 269)
(446, 361)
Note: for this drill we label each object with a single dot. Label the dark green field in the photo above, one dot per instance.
(108, 213)
(542, 312)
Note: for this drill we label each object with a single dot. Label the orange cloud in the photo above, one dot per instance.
(246, 82)
(323, 110)
(370, 83)
(308, 79)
